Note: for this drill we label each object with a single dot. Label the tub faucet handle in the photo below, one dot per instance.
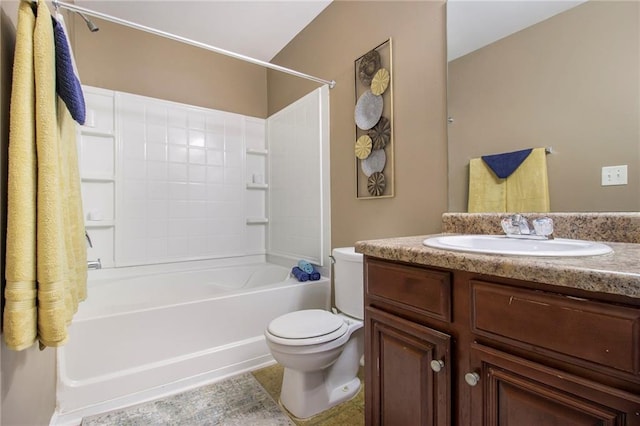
(86, 235)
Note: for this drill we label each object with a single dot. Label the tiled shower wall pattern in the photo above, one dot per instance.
(181, 181)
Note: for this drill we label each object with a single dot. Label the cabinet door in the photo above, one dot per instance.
(402, 387)
(512, 391)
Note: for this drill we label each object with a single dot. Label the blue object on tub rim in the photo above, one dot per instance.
(300, 274)
(306, 266)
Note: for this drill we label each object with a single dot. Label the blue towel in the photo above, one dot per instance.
(314, 276)
(306, 266)
(505, 164)
(67, 83)
(300, 274)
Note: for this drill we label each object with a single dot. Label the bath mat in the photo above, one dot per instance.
(238, 401)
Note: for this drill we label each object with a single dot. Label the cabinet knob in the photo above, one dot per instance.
(472, 379)
(437, 365)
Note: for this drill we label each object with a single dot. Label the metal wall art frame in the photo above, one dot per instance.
(374, 144)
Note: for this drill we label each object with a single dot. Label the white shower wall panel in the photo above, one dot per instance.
(299, 179)
(172, 182)
(182, 186)
(97, 155)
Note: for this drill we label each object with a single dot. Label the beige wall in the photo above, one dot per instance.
(28, 377)
(327, 48)
(571, 82)
(128, 60)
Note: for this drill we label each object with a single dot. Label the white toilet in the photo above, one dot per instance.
(319, 350)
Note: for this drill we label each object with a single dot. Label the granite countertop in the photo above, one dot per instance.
(615, 273)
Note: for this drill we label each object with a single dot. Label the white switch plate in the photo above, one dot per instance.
(614, 175)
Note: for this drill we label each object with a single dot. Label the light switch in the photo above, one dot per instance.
(614, 175)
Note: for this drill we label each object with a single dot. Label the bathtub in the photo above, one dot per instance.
(146, 333)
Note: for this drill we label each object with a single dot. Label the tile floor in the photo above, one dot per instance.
(246, 399)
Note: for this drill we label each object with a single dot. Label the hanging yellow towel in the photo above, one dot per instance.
(528, 187)
(487, 192)
(19, 317)
(60, 287)
(75, 243)
(47, 238)
(525, 190)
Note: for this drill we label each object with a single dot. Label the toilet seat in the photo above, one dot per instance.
(306, 327)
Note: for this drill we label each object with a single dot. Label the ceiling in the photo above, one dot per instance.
(472, 24)
(258, 29)
(261, 28)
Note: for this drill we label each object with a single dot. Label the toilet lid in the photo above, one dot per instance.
(307, 324)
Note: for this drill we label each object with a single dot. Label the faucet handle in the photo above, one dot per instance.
(510, 226)
(543, 226)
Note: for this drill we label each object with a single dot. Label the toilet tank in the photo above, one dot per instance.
(348, 282)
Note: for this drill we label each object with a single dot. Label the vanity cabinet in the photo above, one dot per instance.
(448, 347)
(511, 390)
(407, 390)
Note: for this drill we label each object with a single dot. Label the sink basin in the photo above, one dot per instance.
(499, 244)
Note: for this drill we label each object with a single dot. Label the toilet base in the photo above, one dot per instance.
(306, 394)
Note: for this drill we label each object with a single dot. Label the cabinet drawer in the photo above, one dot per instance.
(424, 291)
(602, 333)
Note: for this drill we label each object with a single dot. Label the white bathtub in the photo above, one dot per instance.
(139, 337)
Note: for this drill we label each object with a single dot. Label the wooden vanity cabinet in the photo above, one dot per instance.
(406, 390)
(455, 348)
(515, 391)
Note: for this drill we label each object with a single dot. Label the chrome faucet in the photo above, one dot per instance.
(92, 264)
(517, 226)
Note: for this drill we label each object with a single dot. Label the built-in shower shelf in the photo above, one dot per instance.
(257, 221)
(97, 178)
(96, 132)
(99, 223)
(256, 151)
(262, 186)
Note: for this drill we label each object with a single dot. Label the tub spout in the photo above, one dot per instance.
(94, 264)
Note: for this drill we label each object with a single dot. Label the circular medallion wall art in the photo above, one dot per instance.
(373, 117)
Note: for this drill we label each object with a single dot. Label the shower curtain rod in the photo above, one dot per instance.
(74, 8)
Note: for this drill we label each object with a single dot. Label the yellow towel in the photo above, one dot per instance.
(59, 286)
(526, 190)
(528, 186)
(53, 228)
(487, 192)
(20, 293)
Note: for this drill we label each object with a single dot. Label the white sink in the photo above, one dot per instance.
(499, 244)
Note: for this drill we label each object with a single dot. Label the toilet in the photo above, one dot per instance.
(320, 350)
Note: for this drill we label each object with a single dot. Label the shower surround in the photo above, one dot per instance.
(197, 218)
